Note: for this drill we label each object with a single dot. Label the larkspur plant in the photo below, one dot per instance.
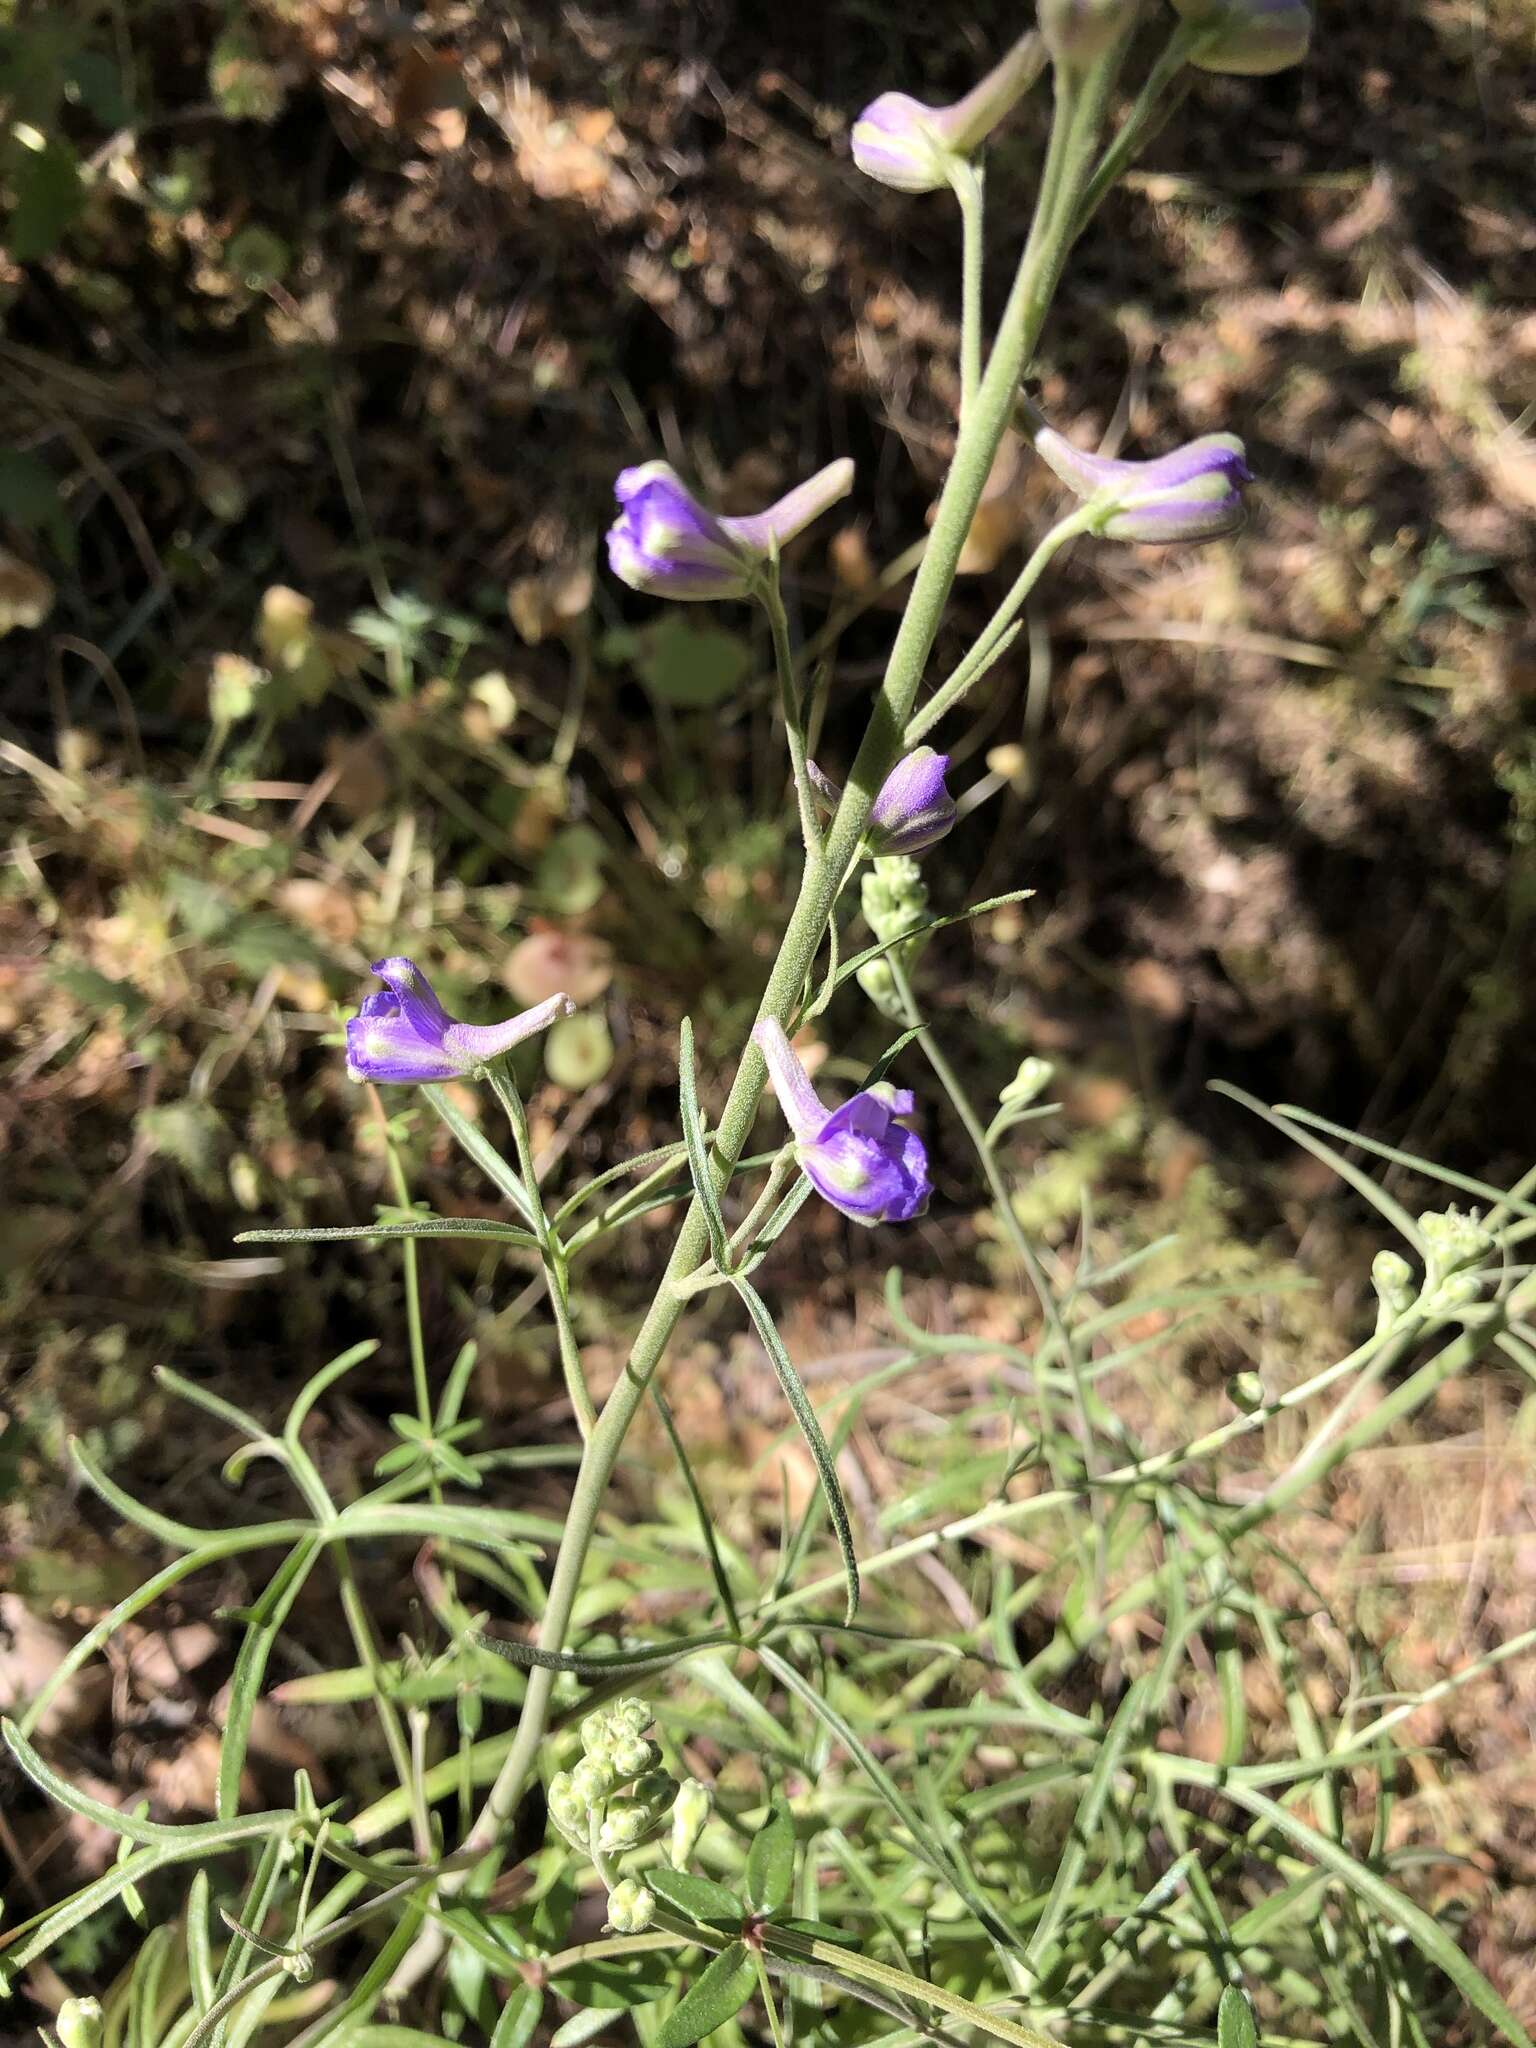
(1022, 1862)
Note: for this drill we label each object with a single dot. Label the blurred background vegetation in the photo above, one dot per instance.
(326, 329)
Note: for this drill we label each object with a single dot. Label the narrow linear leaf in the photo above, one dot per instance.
(1392, 1210)
(716, 1996)
(1427, 1935)
(698, 1153)
(924, 1841)
(481, 1150)
(204, 1835)
(931, 924)
(605, 1663)
(272, 1610)
(810, 1429)
(701, 1508)
(426, 1226)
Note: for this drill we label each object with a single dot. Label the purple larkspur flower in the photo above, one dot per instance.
(914, 148)
(402, 1032)
(860, 1158)
(668, 544)
(1255, 37)
(1193, 494)
(913, 810)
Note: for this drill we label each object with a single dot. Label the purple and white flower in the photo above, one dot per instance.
(860, 1158)
(913, 810)
(403, 1033)
(1256, 36)
(1193, 494)
(668, 544)
(900, 142)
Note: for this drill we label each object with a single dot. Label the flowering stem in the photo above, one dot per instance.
(976, 663)
(980, 433)
(966, 178)
(789, 703)
(499, 1073)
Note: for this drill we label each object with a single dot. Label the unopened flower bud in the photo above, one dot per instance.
(1455, 1297)
(631, 1907)
(878, 982)
(1249, 38)
(900, 142)
(1193, 494)
(631, 1754)
(1396, 1287)
(626, 1823)
(1078, 32)
(913, 810)
(1454, 1241)
(80, 2023)
(690, 1811)
(893, 897)
(1029, 1083)
(596, 1729)
(631, 1713)
(592, 1780)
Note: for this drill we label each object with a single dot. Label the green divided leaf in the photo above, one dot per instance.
(692, 667)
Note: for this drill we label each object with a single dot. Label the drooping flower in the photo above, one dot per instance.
(403, 1033)
(668, 544)
(913, 810)
(1078, 32)
(914, 148)
(860, 1158)
(1193, 494)
(1256, 36)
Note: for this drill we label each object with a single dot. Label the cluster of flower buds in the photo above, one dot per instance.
(861, 1158)
(667, 543)
(1457, 1253)
(900, 142)
(914, 809)
(1249, 38)
(894, 898)
(403, 1033)
(592, 1808)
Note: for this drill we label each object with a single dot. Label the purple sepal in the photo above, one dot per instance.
(901, 142)
(667, 544)
(1195, 493)
(402, 1033)
(913, 810)
(861, 1158)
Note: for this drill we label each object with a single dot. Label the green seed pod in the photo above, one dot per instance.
(630, 1907)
